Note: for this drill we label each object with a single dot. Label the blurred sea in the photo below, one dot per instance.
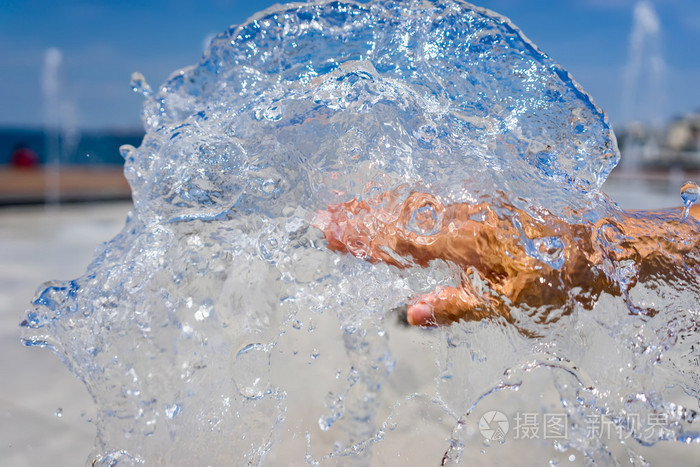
(100, 147)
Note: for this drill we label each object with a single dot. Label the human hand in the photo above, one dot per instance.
(497, 270)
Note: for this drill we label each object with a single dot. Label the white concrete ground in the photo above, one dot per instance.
(44, 410)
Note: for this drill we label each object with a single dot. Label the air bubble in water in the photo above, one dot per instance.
(251, 371)
(549, 250)
(58, 413)
(269, 247)
(426, 134)
(273, 113)
(424, 221)
(423, 213)
(373, 192)
(689, 194)
(268, 186)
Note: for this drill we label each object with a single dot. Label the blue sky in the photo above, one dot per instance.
(103, 42)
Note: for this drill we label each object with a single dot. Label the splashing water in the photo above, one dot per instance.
(217, 328)
(689, 194)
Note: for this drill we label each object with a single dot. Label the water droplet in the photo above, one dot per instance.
(572, 458)
(203, 311)
(312, 326)
(251, 371)
(297, 324)
(150, 427)
(315, 354)
(58, 413)
(689, 194)
(125, 150)
(172, 410)
(335, 409)
(139, 84)
(33, 320)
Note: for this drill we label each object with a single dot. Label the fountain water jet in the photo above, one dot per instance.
(51, 91)
(643, 94)
(60, 127)
(644, 87)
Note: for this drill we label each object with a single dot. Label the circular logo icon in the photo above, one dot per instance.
(493, 425)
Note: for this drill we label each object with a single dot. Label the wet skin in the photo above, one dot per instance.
(487, 245)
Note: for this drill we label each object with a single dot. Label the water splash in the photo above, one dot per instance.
(218, 328)
(140, 85)
(689, 194)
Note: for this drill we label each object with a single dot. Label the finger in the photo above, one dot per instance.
(445, 306)
(461, 233)
(333, 228)
(378, 232)
(354, 227)
(341, 225)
